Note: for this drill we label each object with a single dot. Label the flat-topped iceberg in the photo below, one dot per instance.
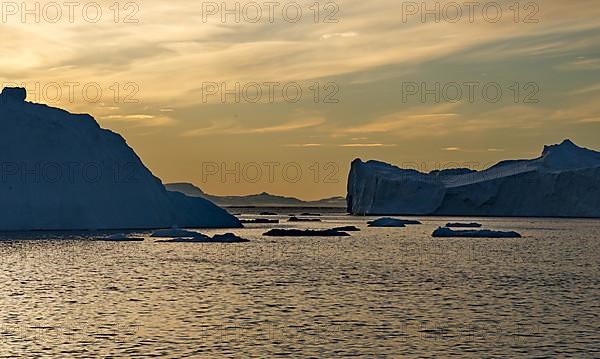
(562, 182)
(61, 171)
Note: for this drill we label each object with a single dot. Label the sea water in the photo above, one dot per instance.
(382, 292)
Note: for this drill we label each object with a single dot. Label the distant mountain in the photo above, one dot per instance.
(256, 200)
(563, 182)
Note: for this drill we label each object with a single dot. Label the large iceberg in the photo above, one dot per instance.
(563, 182)
(61, 171)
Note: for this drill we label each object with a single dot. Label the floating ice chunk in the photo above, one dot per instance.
(258, 221)
(391, 222)
(472, 233)
(219, 238)
(228, 238)
(463, 225)
(346, 229)
(298, 219)
(120, 237)
(305, 233)
(177, 233)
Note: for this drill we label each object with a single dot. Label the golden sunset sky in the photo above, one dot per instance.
(373, 58)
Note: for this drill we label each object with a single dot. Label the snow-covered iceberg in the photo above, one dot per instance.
(563, 182)
(61, 171)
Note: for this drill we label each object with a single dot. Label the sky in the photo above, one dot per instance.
(282, 96)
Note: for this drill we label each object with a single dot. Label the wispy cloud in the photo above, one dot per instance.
(285, 127)
(235, 129)
(140, 120)
(305, 145)
(367, 145)
(410, 122)
(587, 89)
(581, 64)
(338, 34)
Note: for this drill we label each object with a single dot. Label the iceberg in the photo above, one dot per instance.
(62, 171)
(562, 182)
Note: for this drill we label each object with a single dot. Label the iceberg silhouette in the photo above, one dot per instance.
(62, 171)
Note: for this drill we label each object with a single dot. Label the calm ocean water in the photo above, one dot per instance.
(394, 292)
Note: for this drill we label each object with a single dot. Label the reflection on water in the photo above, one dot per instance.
(382, 292)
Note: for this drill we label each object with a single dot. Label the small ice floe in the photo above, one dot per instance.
(228, 238)
(298, 219)
(305, 233)
(474, 233)
(347, 229)
(120, 237)
(175, 232)
(463, 225)
(259, 221)
(392, 222)
(219, 238)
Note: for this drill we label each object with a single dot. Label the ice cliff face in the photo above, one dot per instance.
(61, 171)
(563, 182)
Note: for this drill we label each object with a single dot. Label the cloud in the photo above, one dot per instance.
(409, 123)
(367, 145)
(587, 89)
(286, 127)
(231, 128)
(140, 120)
(581, 65)
(338, 34)
(305, 145)
(398, 122)
(168, 36)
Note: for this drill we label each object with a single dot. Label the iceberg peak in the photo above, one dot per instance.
(565, 145)
(18, 94)
(567, 155)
